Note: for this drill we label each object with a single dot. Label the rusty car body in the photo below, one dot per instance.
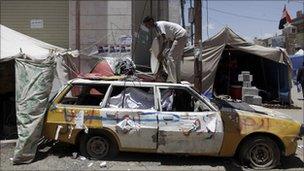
(104, 117)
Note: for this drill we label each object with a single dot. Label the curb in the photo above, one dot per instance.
(13, 141)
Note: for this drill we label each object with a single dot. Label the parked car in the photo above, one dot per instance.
(105, 117)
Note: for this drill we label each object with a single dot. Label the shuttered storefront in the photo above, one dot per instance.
(46, 20)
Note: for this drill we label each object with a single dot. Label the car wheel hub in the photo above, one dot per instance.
(97, 147)
(261, 155)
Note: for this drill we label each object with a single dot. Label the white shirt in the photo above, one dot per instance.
(172, 31)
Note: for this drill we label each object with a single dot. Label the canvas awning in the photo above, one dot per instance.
(213, 49)
(36, 65)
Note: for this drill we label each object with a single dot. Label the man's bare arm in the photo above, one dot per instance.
(162, 43)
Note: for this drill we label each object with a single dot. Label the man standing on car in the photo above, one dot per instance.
(168, 31)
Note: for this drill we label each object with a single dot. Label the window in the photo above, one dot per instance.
(88, 95)
(181, 100)
(293, 30)
(131, 98)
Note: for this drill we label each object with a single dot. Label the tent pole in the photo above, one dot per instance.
(263, 70)
(78, 30)
(198, 39)
(191, 28)
(183, 13)
(229, 72)
(278, 84)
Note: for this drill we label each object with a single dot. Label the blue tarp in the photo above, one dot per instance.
(297, 62)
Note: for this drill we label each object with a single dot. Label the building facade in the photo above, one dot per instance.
(292, 36)
(69, 24)
(298, 22)
(45, 20)
(289, 33)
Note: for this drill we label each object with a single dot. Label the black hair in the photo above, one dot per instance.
(147, 19)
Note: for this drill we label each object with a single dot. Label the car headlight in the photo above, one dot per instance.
(301, 130)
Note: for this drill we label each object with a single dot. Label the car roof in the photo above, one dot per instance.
(126, 83)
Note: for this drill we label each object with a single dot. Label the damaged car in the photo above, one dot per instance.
(104, 117)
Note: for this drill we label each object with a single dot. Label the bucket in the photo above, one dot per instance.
(235, 92)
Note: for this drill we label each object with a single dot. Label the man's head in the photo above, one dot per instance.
(148, 22)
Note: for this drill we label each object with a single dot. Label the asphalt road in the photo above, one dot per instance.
(59, 157)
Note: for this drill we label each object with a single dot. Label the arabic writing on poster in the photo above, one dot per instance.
(123, 46)
(79, 120)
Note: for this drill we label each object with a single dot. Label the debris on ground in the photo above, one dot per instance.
(45, 149)
(74, 155)
(280, 106)
(82, 158)
(90, 164)
(103, 164)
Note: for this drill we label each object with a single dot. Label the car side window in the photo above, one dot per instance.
(131, 98)
(85, 94)
(181, 100)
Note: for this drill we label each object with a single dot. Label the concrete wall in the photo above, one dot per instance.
(300, 40)
(100, 20)
(103, 21)
(174, 11)
(160, 10)
(17, 15)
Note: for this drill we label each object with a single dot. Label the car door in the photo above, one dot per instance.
(131, 112)
(78, 108)
(187, 124)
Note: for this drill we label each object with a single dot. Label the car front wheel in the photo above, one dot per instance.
(260, 153)
(97, 146)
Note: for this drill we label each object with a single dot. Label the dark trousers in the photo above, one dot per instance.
(302, 85)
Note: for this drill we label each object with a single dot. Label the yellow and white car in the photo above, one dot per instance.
(105, 117)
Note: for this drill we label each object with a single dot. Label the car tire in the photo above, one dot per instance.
(260, 153)
(97, 146)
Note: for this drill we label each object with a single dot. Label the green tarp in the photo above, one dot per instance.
(33, 86)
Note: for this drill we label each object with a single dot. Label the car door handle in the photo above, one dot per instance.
(168, 118)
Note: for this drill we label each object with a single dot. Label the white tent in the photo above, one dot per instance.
(299, 53)
(36, 64)
(274, 80)
(15, 44)
(213, 49)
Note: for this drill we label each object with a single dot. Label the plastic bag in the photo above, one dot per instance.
(127, 126)
(299, 87)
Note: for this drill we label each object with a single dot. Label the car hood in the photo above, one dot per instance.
(270, 112)
(242, 106)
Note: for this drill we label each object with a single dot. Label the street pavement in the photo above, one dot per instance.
(60, 157)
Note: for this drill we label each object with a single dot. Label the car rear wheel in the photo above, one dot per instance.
(260, 153)
(97, 146)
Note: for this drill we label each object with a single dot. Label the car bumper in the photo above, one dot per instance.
(290, 142)
(291, 148)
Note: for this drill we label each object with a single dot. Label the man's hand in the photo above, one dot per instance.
(160, 57)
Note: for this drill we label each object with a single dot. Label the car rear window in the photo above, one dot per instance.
(85, 94)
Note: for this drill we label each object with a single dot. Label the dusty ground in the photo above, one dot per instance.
(60, 158)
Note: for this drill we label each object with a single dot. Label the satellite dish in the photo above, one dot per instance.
(154, 64)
